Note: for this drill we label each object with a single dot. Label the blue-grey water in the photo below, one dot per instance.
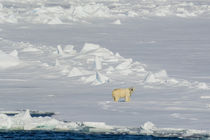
(58, 135)
(47, 135)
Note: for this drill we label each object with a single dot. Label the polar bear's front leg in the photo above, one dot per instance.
(127, 98)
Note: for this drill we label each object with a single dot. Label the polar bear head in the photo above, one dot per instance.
(131, 90)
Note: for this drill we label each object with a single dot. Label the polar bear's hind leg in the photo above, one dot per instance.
(116, 99)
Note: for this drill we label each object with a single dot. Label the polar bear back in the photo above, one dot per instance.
(121, 92)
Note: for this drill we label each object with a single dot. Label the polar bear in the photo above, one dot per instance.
(122, 93)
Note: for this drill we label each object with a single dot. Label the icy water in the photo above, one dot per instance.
(23, 135)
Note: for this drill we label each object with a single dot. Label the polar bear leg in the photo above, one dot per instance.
(127, 98)
(116, 99)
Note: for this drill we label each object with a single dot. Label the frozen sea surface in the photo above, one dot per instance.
(182, 50)
(67, 58)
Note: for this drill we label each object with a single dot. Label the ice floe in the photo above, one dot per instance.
(117, 22)
(163, 78)
(75, 72)
(24, 121)
(31, 49)
(60, 50)
(205, 97)
(9, 60)
(98, 64)
(69, 49)
(96, 79)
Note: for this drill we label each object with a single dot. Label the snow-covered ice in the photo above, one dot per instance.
(117, 22)
(91, 47)
(9, 60)
(66, 11)
(97, 65)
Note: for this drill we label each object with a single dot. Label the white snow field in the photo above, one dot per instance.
(67, 56)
